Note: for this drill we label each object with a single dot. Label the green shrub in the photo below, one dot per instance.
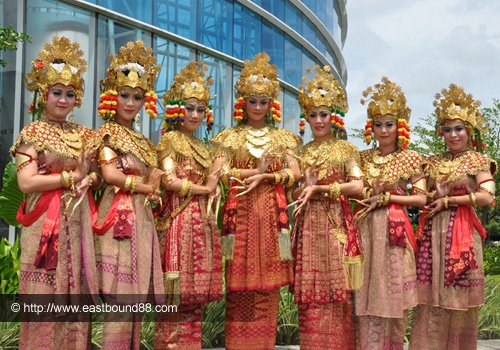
(491, 258)
(489, 313)
(10, 264)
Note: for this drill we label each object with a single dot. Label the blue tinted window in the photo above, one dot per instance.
(273, 42)
(308, 61)
(276, 7)
(309, 31)
(293, 62)
(293, 17)
(220, 92)
(247, 33)
(177, 16)
(141, 10)
(172, 58)
(216, 24)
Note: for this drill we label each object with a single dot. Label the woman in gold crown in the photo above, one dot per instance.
(255, 233)
(450, 257)
(52, 170)
(328, 258)
(127, 249)
(189, 239)
(389, 285)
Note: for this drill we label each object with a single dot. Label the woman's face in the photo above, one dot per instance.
(194, 115)
(257, 107)
(129, 103)
(386, 130)
(60, 101)
(319, 121)
(455, 135)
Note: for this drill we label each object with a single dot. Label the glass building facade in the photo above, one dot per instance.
(223, 33)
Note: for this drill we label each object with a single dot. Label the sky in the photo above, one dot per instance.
(423, 46)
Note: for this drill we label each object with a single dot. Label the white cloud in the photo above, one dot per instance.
(423, 45)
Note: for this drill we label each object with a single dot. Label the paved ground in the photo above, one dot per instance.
(492, 344)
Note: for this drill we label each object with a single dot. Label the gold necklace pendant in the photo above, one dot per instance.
(258, 132)
(378, 159)
(374, 171)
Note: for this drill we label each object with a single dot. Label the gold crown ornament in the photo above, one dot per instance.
(387, 98)
(258, 78)
(59, 62)
(323, 90)
(133, 66)
(190, 82)
(455, 104)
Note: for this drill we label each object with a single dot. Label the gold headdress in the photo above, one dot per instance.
(258, 77)
(133, 66)
(455, 104)
(387, 98)
(59, 62)
(190, 82)
(323, 90)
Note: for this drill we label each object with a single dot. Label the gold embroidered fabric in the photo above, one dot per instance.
(63, 139)
(245, 143)
(390, 169)
(443, 167)
(328, 155)
(176, 144)
(126, 140)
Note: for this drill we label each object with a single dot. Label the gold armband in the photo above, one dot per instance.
(133, 184)
(387, 198)
(167, 164)
(334, 191)
(278, 177)
(487, 186)
(107, 155)
(355, 173)
(419, 186)
(473, 199)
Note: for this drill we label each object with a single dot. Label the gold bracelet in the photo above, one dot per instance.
(278, 177)
(387, 198)
(380, 200)
(291, 177)
(366, 192)
(189, 189)
(473, 199)
(128, 183)
(65, 179)
(71, 180)
(236, 173)
(445, 202)
(133, 183)
(335, 191)
(184, 187)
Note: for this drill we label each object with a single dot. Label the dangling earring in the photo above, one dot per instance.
(137, 122)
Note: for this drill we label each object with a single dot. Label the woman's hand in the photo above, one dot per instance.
(369, 204)
(263, 162)
(435, 207)
(311, 176)
(82, 166)
(212, 181)
(154, 178)
(251, 183)
(306, 193)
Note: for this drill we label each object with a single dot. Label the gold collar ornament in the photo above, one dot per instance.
(455, 104)
(59, 62)
(190, 82)
(323, 90)
(387, 98)
(133, 66)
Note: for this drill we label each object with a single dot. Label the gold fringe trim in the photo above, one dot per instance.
(354, 271)
(227, 243)
(285, 245)
(172, 283)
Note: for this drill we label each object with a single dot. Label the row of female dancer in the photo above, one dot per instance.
(125, 251)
